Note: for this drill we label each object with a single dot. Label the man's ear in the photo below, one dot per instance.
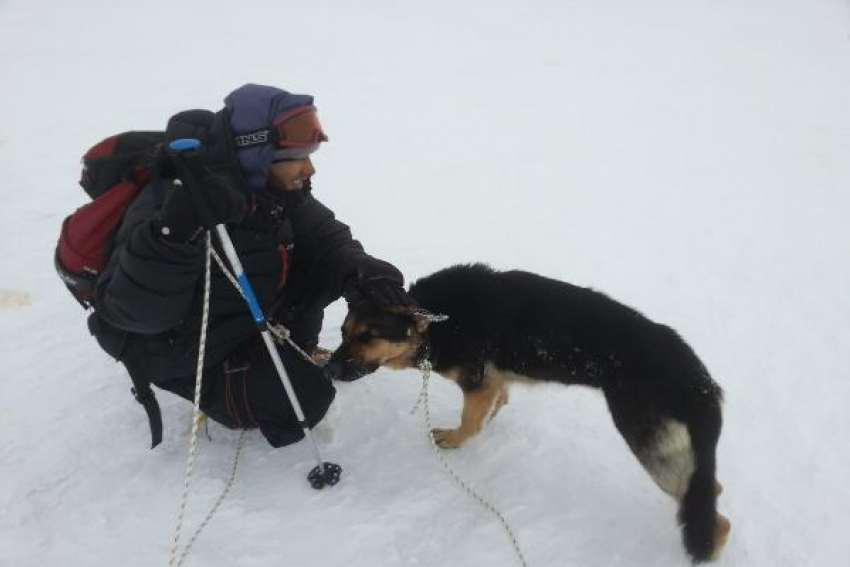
(424, 318)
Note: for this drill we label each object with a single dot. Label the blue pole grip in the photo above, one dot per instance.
(253, 304)
(185, 144)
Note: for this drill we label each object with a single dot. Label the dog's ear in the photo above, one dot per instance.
(423, 318)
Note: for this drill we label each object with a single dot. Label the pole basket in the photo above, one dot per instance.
(326, 475)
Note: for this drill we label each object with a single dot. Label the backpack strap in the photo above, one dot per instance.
(116, 343)
(143, 393)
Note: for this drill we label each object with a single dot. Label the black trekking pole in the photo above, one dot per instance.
(182, 152)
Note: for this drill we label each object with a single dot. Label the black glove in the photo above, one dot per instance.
(180, 221)
(377, 281)
(190, 124)
(215, 156)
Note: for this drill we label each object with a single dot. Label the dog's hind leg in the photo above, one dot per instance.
(685, 471)
(478, 403)
(680, 458)
(668, 457)
(704, 530)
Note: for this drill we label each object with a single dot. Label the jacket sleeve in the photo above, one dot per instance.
(149, 285)
(324, 248)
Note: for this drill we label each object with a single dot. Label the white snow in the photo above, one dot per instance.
(691, 159)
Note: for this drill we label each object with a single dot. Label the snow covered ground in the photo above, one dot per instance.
(691, 159)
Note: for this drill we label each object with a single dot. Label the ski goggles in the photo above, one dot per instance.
(298, 134)
(291, 154)
(294, 134)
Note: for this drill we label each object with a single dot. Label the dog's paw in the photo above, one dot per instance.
(721, 534)
(447, 438)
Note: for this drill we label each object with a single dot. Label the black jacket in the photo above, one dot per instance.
(148, 301)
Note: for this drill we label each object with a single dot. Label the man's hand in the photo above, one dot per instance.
(377, 281)
(179, 221)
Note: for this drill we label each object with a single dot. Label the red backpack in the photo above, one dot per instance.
(114, 171)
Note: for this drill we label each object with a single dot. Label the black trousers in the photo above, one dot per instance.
(245, 392)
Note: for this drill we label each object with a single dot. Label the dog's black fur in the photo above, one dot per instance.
(512, 325)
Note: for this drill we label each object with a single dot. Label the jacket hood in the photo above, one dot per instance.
(252, 108)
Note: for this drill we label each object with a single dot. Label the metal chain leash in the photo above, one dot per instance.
(425, 367)
(197, 418)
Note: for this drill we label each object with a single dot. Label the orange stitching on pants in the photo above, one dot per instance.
(231, 403)
(245, 397)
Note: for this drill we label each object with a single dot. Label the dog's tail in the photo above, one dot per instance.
(704, 531)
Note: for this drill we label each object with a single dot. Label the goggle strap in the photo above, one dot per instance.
(281, 118)
(256, 138)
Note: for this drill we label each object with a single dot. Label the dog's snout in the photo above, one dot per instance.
(332, 370)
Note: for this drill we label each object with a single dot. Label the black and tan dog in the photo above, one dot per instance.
(508, 326)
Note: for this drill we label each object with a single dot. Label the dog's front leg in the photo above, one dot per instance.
(501, 399)
(477, 405)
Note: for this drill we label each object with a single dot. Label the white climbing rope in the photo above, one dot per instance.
(281, 333)
(197, 417)
(239, 446)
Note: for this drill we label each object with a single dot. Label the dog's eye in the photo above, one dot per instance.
(365, 337)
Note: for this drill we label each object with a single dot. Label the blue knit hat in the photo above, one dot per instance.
(252, 110)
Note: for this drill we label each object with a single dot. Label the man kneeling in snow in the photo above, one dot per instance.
(298, 257)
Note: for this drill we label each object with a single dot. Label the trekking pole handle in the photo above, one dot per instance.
(183, 152)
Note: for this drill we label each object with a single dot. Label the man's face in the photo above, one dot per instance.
(290, 175)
